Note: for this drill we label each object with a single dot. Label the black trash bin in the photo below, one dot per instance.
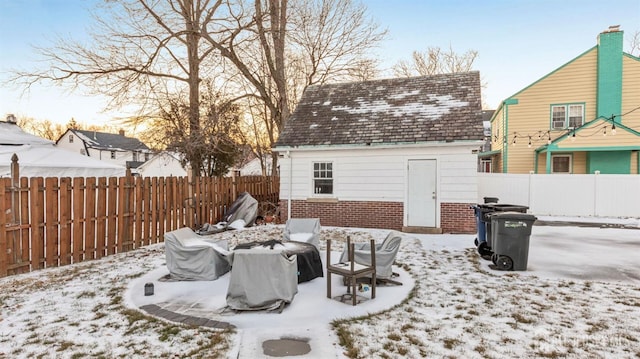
(493, 208)
(481, 226)
(484, 212)
(510, 239)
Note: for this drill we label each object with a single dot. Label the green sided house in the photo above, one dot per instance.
(396, 153)
(582, 118)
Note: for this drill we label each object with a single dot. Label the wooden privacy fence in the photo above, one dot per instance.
(49, 222)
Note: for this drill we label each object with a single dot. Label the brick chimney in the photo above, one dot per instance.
(121, 132)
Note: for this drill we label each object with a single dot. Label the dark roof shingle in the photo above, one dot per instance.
(111, 141)
(402, 110)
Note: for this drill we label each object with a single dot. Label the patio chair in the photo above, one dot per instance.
(385, 255)
(194, 257)
(350, 270)
(303, 230)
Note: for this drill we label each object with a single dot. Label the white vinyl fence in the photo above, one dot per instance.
(578, 195)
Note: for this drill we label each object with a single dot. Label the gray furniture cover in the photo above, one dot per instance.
(262, 278)
(385, 254)
(242, 213)
(245, 208)
(194, 257)
(303, 230)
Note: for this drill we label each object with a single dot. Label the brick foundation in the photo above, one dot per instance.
(361, 214)
(454, 217)
(457, 218)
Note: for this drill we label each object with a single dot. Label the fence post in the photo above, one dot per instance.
(15, 209)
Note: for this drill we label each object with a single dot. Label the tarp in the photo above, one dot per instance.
(194, 257)
(262, 278)
(303, 230)
(385, 254)
(242, 213)
(308, 257)
(49, 161)
(39, 157)
(243, 208)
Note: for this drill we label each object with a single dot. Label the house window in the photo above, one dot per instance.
(323, 178)
(485, 165)
(135, 156)
(146, 156)
(561, 164)
(70, 138)
(567, 116)
(113, 155)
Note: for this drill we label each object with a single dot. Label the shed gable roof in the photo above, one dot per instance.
(441, 108)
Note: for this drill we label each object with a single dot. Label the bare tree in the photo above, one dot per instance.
(137, 46)
(53, 131)
(45, 128)
(280, 48)
(634, 44)
(143, 51)
(217, 142)
(435, 61)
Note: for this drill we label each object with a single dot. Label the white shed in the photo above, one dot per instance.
(396, 153)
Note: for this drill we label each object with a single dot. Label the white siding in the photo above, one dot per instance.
(380, 174)
(162, 165)
(76, 146)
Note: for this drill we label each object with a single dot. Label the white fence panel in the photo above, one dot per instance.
(565, 195)
(618, 196)
(509, 188)
(562, 195)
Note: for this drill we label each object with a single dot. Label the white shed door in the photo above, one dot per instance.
(421, 204)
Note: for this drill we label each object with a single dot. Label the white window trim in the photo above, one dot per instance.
(482, 164)
(570, 163)
(567, 115)
(333, 179)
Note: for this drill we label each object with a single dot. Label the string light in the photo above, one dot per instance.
(571, 132)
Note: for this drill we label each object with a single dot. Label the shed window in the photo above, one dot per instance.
(561, 164)
(70, 138)
(323, 178)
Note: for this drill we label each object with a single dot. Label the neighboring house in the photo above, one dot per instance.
(162, 164)
(484, 164)
(108, 147)
(583, 117)
(39, 157)
(397, 154)
(253, 167)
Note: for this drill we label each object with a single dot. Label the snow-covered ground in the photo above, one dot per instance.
(580, 297)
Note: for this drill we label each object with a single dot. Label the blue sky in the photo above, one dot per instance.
(518, 41)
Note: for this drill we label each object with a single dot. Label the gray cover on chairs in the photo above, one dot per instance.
(262, 278)
(194, 257)
(245, 208)
(303, 230)
(385, 254)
